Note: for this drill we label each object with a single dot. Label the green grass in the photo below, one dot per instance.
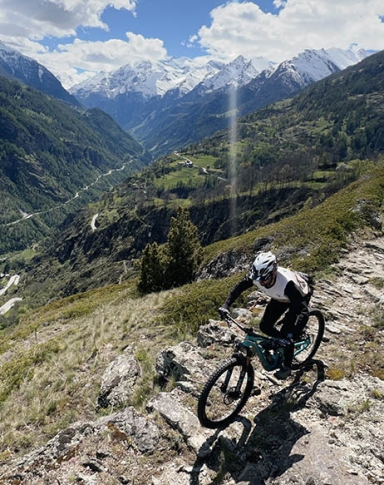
(51, 370)
(66, 309)
(377, 282)
(182, 174)
(195, 304)
(203, 160)
(21, 366)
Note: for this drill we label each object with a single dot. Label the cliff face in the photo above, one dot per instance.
(321, 426)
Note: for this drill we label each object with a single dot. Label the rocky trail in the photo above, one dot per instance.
(322, 426)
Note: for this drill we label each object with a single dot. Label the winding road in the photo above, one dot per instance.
(28, 216)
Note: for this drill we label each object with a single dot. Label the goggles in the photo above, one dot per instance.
(265, 278)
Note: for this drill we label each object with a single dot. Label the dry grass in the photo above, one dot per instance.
(52, 371)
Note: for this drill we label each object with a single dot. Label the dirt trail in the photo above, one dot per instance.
(352, 301)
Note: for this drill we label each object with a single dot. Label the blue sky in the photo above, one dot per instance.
(76, 39)
(173, 21)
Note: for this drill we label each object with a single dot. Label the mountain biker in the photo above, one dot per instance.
(290, 293)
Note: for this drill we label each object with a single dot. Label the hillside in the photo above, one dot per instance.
(17, 67)
(49, 154)
(285, 158)
(60, 368)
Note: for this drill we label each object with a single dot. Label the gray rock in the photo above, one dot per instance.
(181, 361)
(215, 332)
(119, 380)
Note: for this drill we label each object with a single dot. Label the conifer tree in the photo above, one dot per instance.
(152, 269)
(184, 251)
(174, 263)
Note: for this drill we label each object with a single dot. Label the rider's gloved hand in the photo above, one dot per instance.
(223, 311)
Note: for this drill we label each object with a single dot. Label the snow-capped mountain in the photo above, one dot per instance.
(148, 78)
(312, 65)
(15, 65)
(295, 74)
(151, 79)
(171, 103)
(157, 78)
(236, 74)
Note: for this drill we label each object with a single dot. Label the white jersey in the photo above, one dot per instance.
(283, 277)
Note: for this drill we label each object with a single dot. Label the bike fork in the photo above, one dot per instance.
(224, 385)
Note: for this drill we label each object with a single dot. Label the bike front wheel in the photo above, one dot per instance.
(306, 348)
(225, 393)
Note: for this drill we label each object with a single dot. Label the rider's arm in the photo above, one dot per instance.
(298, 303)
(236, 291)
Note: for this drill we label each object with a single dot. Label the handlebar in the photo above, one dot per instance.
(248, 330)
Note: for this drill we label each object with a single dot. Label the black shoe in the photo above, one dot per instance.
(283, 373)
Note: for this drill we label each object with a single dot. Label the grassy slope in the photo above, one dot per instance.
(51, 363)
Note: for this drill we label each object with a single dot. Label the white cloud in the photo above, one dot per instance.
(74, 62)
(93, 57)
(57, 18)
(243, 28)
(25, 23)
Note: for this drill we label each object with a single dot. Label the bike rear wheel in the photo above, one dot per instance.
(306, 348)
(225, 393)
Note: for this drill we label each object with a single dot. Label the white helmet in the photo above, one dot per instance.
(263, 266)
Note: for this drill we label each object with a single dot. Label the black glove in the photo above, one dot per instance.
(223, 311)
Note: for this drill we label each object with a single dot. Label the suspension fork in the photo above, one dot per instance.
(246, 360)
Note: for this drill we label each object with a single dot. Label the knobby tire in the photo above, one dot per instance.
(216, 409)
(315, 328)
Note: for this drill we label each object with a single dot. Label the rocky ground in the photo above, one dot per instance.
(319, 427)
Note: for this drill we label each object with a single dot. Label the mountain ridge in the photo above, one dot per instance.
(170, 104)
(215, 75)
(168, 119)
(291, 156)
(16, 66)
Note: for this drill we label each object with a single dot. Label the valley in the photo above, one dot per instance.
(78, 194)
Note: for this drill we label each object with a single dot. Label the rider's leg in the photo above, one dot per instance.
(302, 320)
(273, 311)
(288, 324)
(285, 334)
(285, 369)
(293, 324)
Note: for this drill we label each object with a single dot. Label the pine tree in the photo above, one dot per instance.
(174, 263)
(152, 269)
(184, 251)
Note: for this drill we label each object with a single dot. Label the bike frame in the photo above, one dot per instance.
(252, 346)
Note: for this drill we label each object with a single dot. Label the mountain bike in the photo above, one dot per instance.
(229, 387)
